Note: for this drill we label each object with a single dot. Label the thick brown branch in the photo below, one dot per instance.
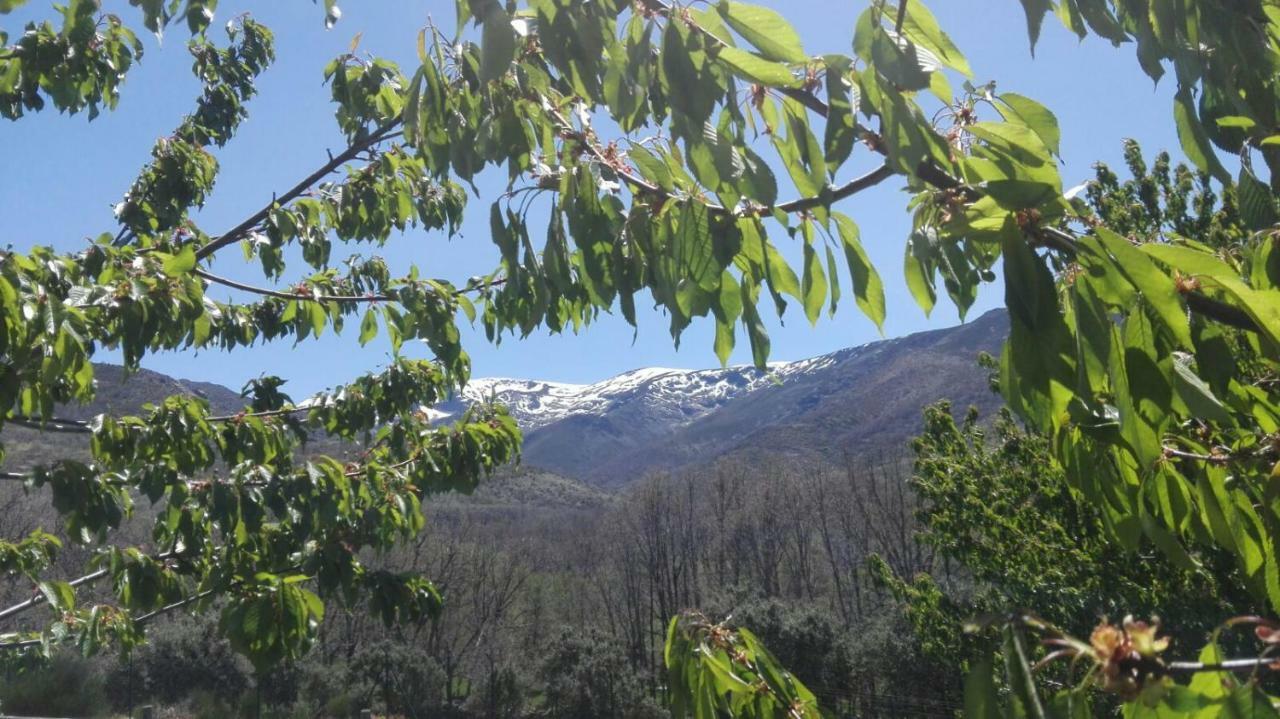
(238, 232)
(853, 187)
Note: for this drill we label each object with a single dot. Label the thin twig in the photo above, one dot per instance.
(268, 292)
(52, 425)
(1211, 458)
(1229, 665)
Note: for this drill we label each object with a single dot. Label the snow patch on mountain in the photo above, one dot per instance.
(655, 396)
(673, 395)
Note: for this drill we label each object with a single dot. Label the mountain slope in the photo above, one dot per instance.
(863, 399)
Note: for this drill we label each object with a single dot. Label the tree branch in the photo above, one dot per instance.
(238, 232)
(267, 292)
(875, 177)
(39, 598)
(1229, 665)
(1220, 311)
(52, 425)
(1210, 458)
(833, 194)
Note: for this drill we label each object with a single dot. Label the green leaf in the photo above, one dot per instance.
(368, 326)
(1262, 306)
(981, 701)
(1248, 702)
(693, 248)
(498, 43)
(317, 316)
(1197, 396)
(1036, 117)
(918, 279)
(1167, 544)
(904, 63)
(1156, 286)
(1243, 123)
(765, 29)
(7, 6)
(689, 86)
(727, 310)
(1257, 204)
(756, 69)
(780, 277)
(921, 27)
(839, 134)
(1195, 142)
(756, 332)
(1018, 141)
(868, 289)
(1035, 11)
(60, 595)
(813, 285)
(1018, 670)
(181, 263)
(833, 276)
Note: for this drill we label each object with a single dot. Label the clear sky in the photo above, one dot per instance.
(61, 176)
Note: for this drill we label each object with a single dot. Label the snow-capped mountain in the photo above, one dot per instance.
(671, 396)
(854, 400)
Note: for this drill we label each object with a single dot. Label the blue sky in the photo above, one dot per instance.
(62, 175)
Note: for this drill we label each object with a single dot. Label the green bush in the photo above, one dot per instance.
(586, 676)
(401, 678)
(184, 658)
(65, 686)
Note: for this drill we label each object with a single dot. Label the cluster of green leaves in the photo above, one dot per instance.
(240, 518)
(715, 671)
(993, 502)
(1036, 542)
(687, 217)
(77, 66)
(181, 161)
(388, 195)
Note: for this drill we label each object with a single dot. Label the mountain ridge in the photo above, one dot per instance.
(855, 400)
(607, 434)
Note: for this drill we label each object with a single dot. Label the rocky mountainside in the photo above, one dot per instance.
(858, 400)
